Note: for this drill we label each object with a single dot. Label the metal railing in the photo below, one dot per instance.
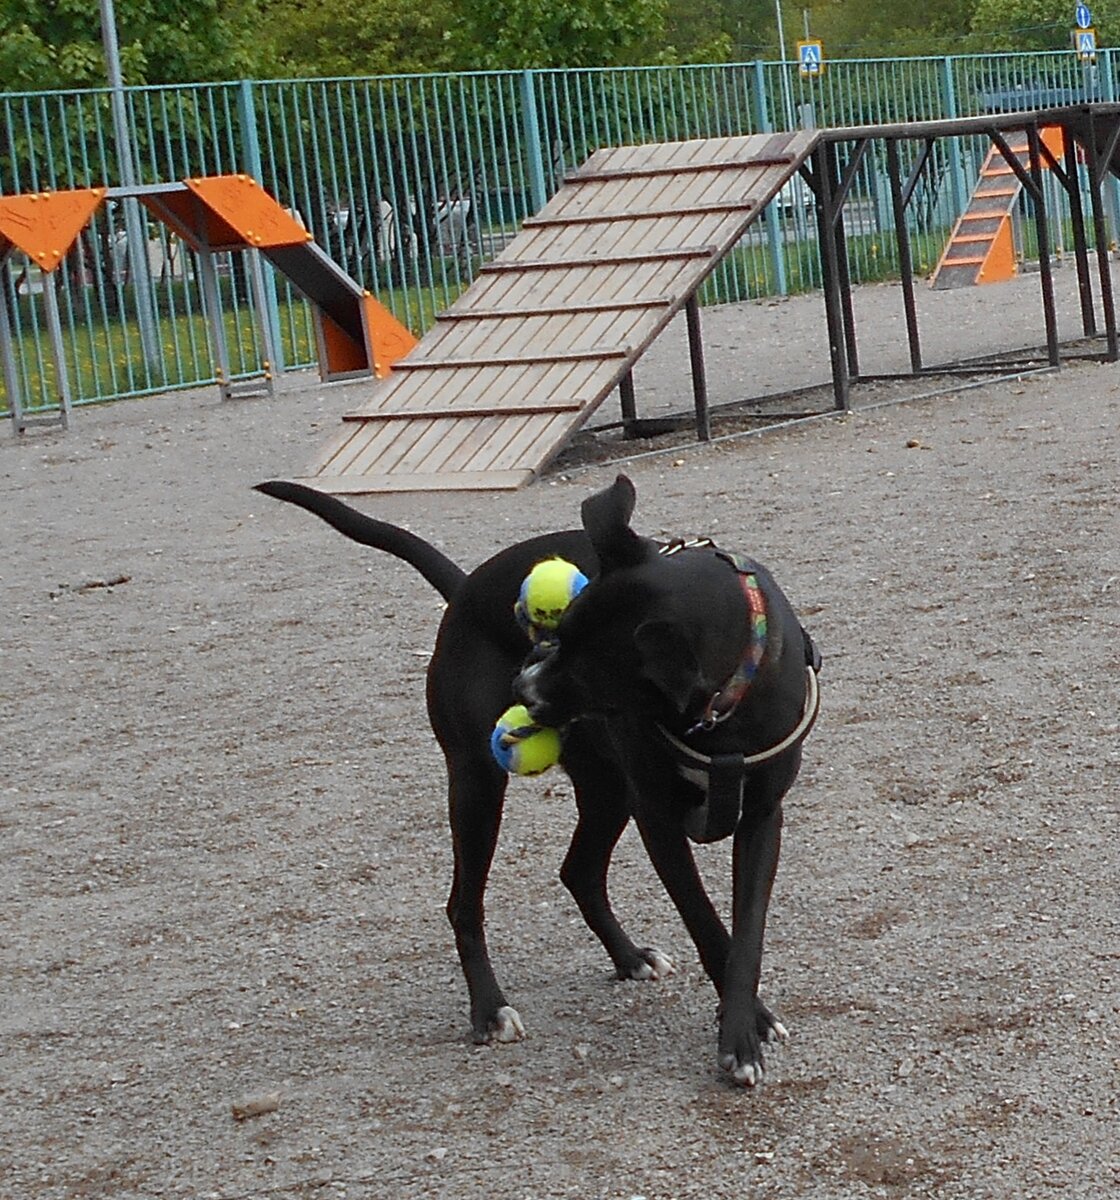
(412, 182)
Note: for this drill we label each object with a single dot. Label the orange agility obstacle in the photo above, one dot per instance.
(355, 334)
(981, 248)
(44, 225)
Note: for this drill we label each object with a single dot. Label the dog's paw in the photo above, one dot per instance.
(770, 1029)
(745, 1074)
(506, 1026)
(740, 1053)
(651, 964)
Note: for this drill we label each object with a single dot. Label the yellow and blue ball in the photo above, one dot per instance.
(522, 747)
(545, 593)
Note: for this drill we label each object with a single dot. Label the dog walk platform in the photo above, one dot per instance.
(557, 321)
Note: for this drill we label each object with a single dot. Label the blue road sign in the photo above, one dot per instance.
(1083, 17)
(811, 56)
(1086, 43)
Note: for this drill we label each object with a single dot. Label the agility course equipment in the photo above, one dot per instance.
(534, 346)
(44, 225)
(213, 214)
(981, 248)
(355, 334)
(559, 318)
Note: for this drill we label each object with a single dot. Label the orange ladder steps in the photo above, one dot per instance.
(981, 248)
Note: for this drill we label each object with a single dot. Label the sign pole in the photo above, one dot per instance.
(787, 98)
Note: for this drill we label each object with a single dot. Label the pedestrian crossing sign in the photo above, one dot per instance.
(1085, 43)
(810, 55)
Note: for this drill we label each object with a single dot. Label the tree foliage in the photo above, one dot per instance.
(512, 34)
(361, 37)
(1038, 24)
(872, 29)
(58, 43)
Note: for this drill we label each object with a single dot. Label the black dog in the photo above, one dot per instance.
(684, 685)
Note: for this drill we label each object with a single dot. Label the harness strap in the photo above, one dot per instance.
(723, 775)
(717, 817)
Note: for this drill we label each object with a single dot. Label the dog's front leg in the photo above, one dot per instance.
(745, 1022)
(672, 859)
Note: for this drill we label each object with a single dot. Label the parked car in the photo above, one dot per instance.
(794, 196)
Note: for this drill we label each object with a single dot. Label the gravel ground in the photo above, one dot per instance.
(226, 858)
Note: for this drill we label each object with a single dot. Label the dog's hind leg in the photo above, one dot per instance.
(603, 814)
(475, 796)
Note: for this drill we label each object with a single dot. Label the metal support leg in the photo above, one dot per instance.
(260, 297)
(1042, 226)
(219, 347)
(1080, 241)
(7, 353)
(1097, 171)
(696, 360)
(843, 272)
(626, 403)
(54, 327)
(830, 279)
(905, 258)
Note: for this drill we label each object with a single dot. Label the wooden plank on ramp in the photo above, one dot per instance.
(523, 358)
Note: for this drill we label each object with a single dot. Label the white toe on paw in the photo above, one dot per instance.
(778, 1032)
(654, 965)
(660, 964)
(507, 1025)
(745, 1074)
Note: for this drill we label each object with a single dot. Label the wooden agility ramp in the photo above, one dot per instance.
(525, 356)
(981, 248)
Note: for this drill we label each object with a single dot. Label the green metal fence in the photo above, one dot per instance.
(411, 182)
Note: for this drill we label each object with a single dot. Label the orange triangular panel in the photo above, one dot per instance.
(390, 340)
(999, 263)
(1053, 137)
(44, 225)
(242, 204)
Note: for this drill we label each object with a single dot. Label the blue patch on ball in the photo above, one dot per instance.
(522, 747)
(545, 594)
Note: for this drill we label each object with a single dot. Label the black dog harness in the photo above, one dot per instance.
(721, 776)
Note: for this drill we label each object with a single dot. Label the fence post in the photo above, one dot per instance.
(773, 225)
(1108, 93)
(254, 166)
(531, 131)
(949, 100)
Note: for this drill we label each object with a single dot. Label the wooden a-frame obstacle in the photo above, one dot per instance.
(355, 334)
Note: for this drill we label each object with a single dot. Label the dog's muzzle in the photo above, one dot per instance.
(524, 686)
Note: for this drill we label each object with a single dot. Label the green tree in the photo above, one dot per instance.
(46, 44)
(361, 37)
(513, 34)
(722, 30)
(1039, 24)
(872, 29)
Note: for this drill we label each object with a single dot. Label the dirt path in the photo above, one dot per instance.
(225, 853)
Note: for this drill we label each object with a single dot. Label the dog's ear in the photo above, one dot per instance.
(606, 518)
(668, 661)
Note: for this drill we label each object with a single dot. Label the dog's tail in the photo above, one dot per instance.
(434, 565)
